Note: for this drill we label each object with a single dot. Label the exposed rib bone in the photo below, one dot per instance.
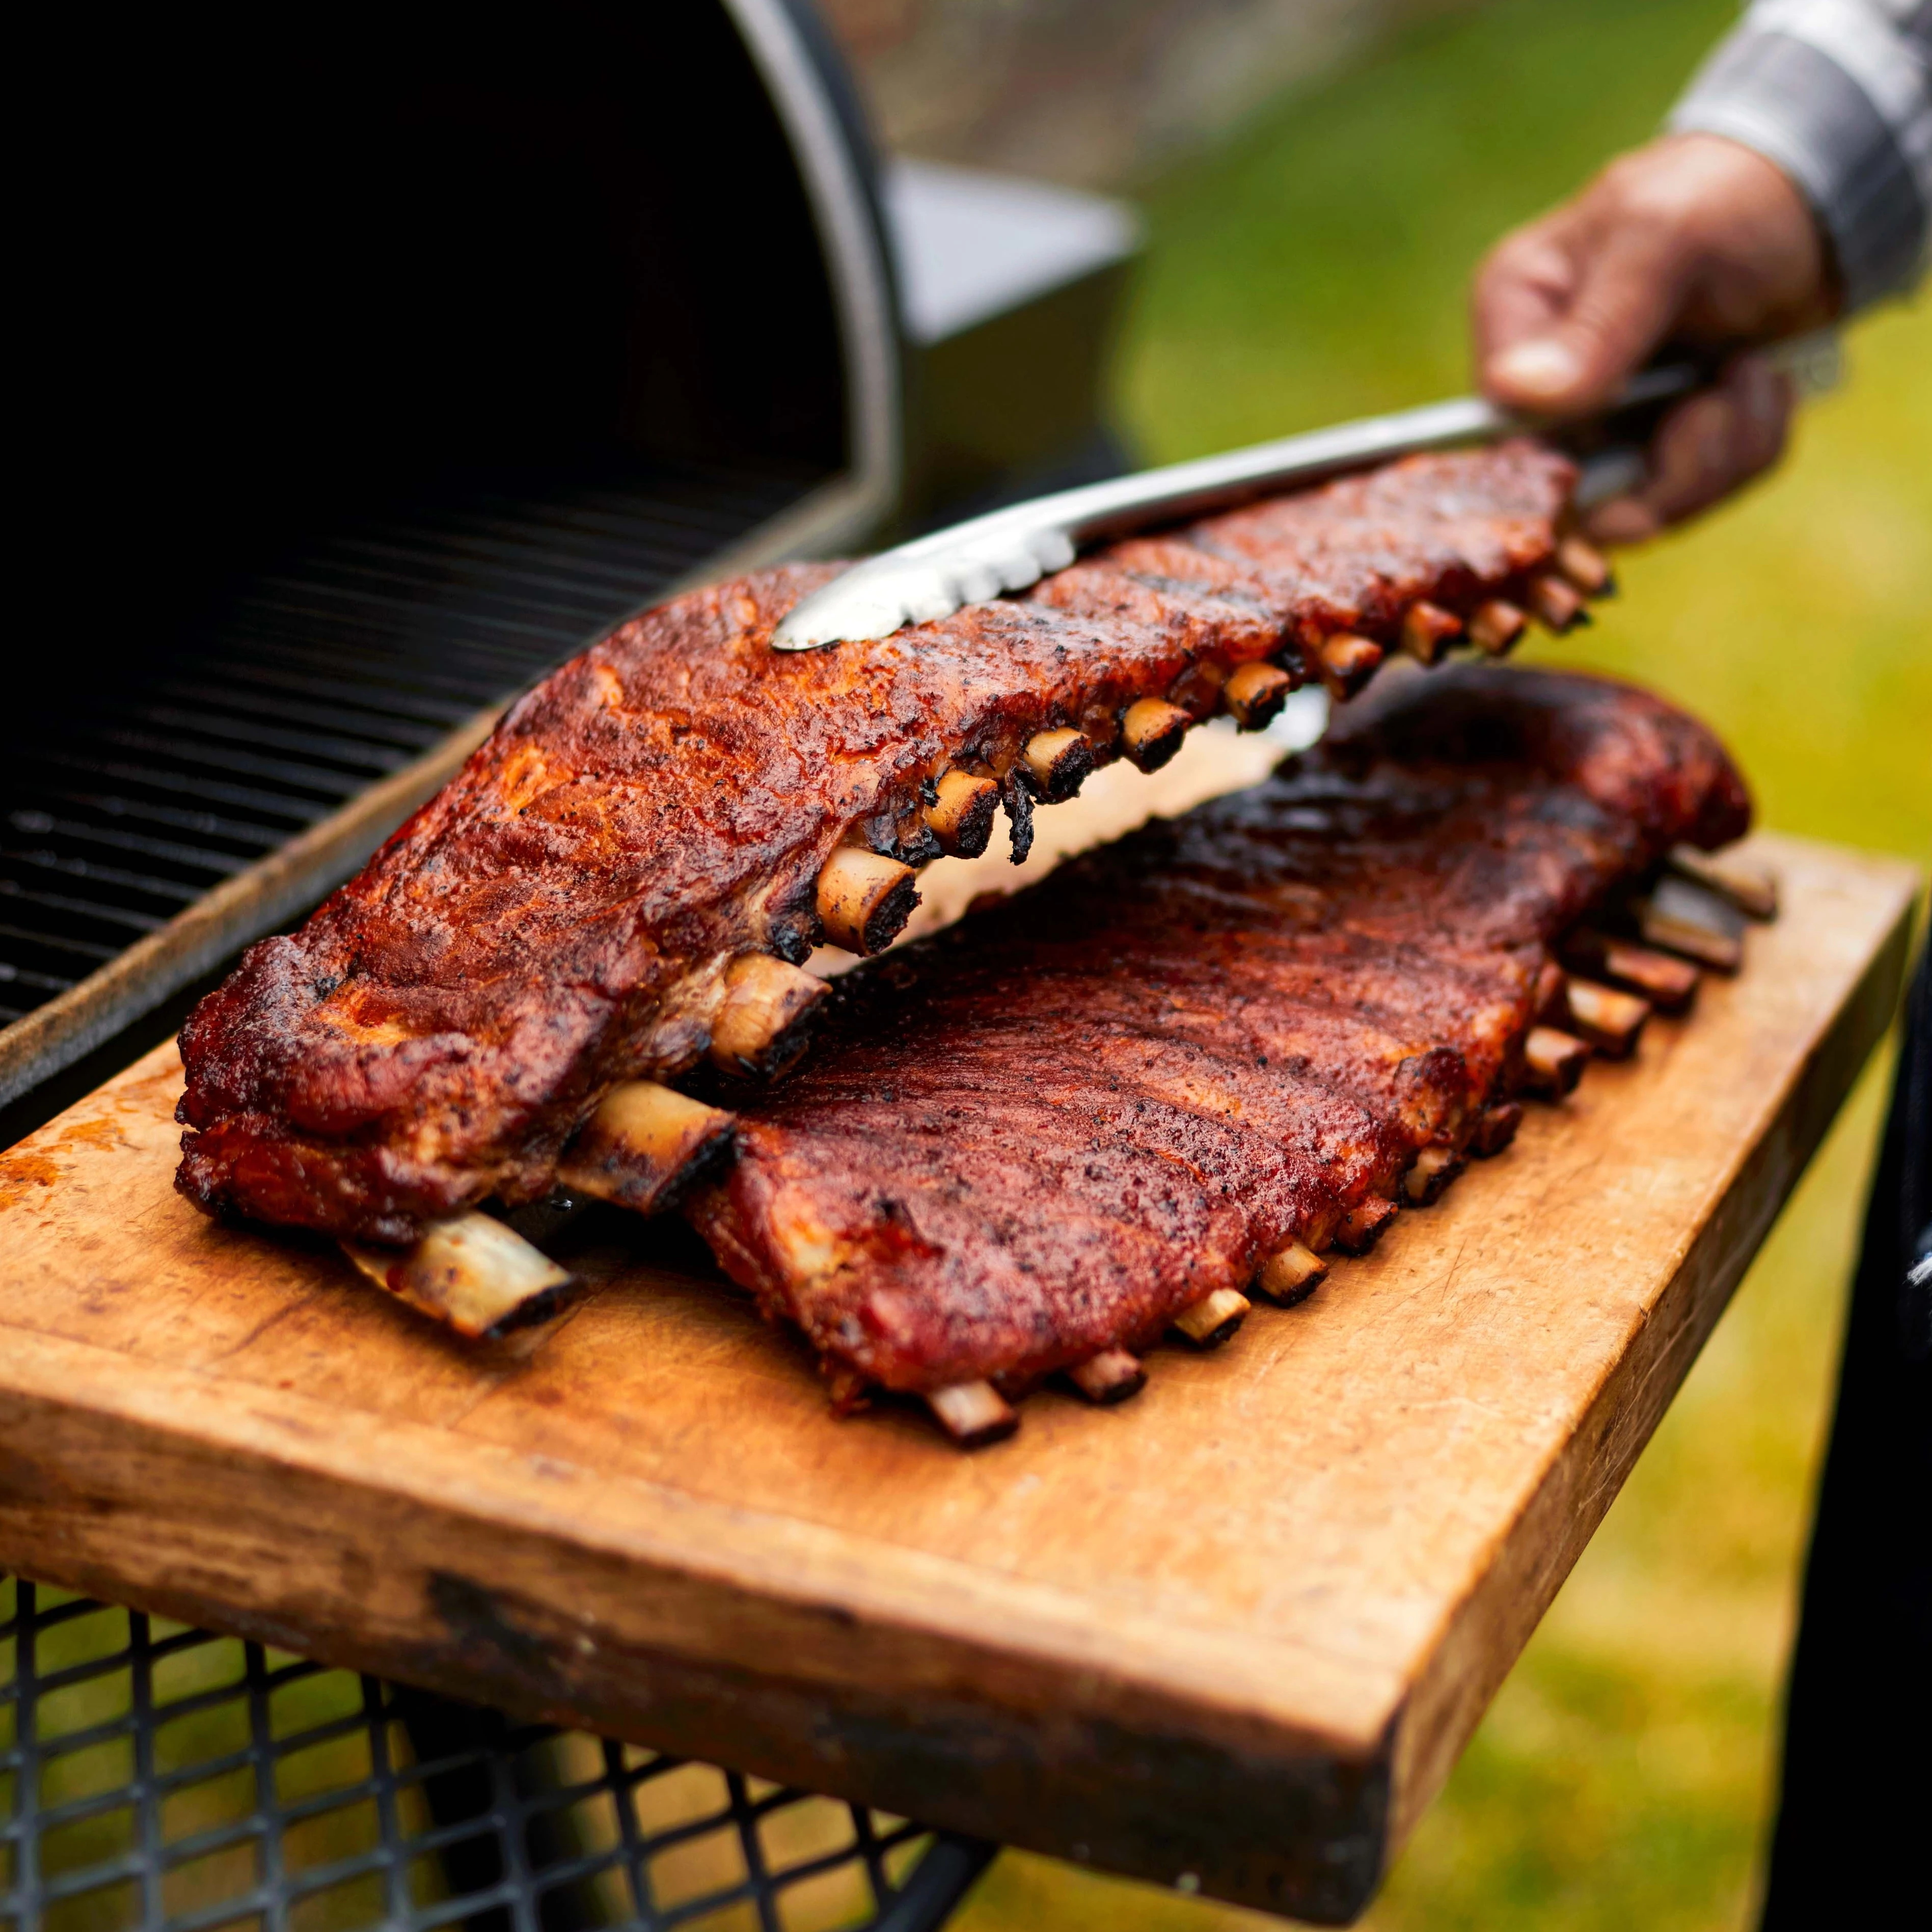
(1610, 1020)
(1112, 1375)
(1585, 565)
(644, 1143)
(1495, 1128)
(961, 818)
(1553, 1063)
(763, 1028)
(1208, 1322)
(1432, 1171)
(1359, 1230)
(864, 897)
(1152, 731)
(1752, 889)
(1059, 761)
(1670, 985)
(1687, 918)
(470, 1271)
(1291, 1275)
(1557, 602)
(1346, 663)
(1255, 692)
(974, 1414)
(1427, 630)
(1496, 626)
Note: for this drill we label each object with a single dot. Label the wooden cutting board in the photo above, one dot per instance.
(1231, 1635)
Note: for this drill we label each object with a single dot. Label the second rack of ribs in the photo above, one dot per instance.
(1041, 1135)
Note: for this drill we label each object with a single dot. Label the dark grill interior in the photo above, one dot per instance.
(313, 680)
(157, 1776)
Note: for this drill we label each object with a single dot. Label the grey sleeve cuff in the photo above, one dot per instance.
(1837, 93)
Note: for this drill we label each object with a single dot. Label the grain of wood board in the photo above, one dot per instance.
(1232, 1634)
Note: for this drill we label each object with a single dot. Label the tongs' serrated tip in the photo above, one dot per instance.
(870, 602)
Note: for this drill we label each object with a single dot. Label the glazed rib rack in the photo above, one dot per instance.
(1189, 1068)
(623, 884)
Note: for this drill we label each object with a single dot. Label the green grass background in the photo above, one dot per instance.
(1314, 269)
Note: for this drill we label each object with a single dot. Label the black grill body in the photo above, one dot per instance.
(386, 355)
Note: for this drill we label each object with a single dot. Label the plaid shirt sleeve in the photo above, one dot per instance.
(1838, 93)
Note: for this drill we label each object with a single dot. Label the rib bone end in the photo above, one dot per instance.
(1752, 889)
(1110, 1376)
(1208, 1322)
(961, 818)
(1668, 984)
(1255, 693)
(1359, 1230)
(974, 1414)
(643, 1145)
(470, 1271)
(1495, 1128)
(1609, 1020)
(1430, 1172)
(1428, 630)
(865, 898)
(1585, 565)
(765, 1022)
(1553, 1063)
(1291, 1274)
(1556, 601)
(1060, 762)
(1684, 918)
(1496, 626)
(1151, 732)
(1346, 663)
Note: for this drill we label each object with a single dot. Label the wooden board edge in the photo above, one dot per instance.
(1491, 1626)
(251, 1547)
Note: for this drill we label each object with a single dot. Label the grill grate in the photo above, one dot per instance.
(312, 682)
(154, 1776)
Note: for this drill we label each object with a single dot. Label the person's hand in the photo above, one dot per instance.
(1693, 240)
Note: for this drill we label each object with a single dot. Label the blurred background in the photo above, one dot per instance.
(1319, 178)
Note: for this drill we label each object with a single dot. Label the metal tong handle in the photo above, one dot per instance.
(933, 576)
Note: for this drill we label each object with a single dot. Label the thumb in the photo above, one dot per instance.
(1623, 292)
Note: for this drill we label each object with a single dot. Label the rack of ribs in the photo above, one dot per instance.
(623, 882)
(1193, 1064)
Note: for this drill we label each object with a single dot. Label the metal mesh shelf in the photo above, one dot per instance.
(156, 1776)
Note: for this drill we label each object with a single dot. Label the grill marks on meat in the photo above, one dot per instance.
(1045, 1133)
(566, 914)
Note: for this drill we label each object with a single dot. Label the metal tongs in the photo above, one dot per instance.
(933, 576)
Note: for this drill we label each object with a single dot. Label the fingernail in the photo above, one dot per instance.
(1545, 369)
